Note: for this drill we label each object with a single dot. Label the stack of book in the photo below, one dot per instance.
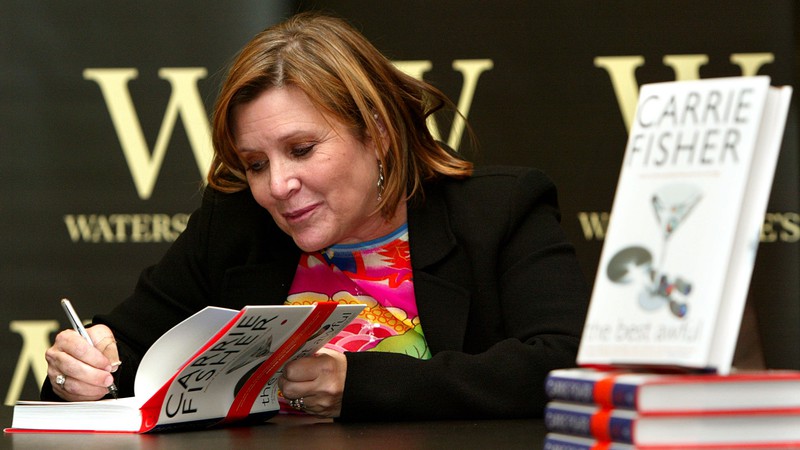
(616, 409)
(673, 278)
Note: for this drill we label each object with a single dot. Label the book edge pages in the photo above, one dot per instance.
(757, 194)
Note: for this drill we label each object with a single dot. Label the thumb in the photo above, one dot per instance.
(103, 339)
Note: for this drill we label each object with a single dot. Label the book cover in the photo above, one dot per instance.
(217, 366)
(684, 227)
(561, 441)
(653, 393)
(707, 429)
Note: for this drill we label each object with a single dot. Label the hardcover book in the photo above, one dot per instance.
(560, 441)
(218, 366)
(684, 228)
(766, 428)
(652, 393)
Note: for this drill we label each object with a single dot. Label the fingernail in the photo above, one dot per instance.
(109, 381)
(115, 366)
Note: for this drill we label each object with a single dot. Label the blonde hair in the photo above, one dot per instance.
(345, 76)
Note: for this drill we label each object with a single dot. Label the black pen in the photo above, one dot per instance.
(77, 325)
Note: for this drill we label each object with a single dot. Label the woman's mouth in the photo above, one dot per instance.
(300, 214)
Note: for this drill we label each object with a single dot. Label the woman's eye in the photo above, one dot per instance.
(257, 166)
(301, 151)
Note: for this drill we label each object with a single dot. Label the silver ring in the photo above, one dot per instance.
(60, 380)
(297, 404)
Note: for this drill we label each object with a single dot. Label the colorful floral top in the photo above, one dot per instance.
(375, 273)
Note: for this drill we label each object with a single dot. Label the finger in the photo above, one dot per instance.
(64, 364)
(327, 351)
(76, 386)
(324, 363)
(104, 341)
(84, 380)
(108, 347)
(303, 369)
(74, 389)
(302, 389)
(73, 344)
(318, 403)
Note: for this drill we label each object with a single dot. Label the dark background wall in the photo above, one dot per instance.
(80, 219)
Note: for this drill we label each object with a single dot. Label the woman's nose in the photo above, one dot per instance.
(283, 179)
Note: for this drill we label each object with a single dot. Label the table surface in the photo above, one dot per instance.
(307, 433)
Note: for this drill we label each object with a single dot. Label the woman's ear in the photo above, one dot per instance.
(384, 136)
(379, 123)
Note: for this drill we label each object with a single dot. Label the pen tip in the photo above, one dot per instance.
(112, 389)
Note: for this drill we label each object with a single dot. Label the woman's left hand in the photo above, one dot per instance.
(318, 380)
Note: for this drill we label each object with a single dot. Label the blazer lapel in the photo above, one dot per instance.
(442, 301)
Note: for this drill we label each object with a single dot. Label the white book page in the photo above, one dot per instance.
(754, 206)
(175, 347)
(100, 415)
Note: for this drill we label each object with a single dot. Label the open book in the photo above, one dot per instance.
(218, 366)
(677, 259)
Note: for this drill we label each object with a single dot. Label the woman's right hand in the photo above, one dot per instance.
(86, 369)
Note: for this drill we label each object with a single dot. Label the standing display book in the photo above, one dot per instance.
(218, 366)
(684, 228)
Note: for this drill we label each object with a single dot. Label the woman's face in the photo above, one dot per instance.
(314, 176)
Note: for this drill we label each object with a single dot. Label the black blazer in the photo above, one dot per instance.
(501, 298)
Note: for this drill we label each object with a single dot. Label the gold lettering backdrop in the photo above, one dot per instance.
(105, 143)
(105, 127)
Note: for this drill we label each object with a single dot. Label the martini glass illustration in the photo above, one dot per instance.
(672, 204)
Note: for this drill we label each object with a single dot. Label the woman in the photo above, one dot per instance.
(326, 184)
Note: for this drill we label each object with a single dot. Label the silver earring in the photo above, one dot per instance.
(380, 180)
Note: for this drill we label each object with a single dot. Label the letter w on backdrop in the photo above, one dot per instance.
(185, 102)
(622, 71)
